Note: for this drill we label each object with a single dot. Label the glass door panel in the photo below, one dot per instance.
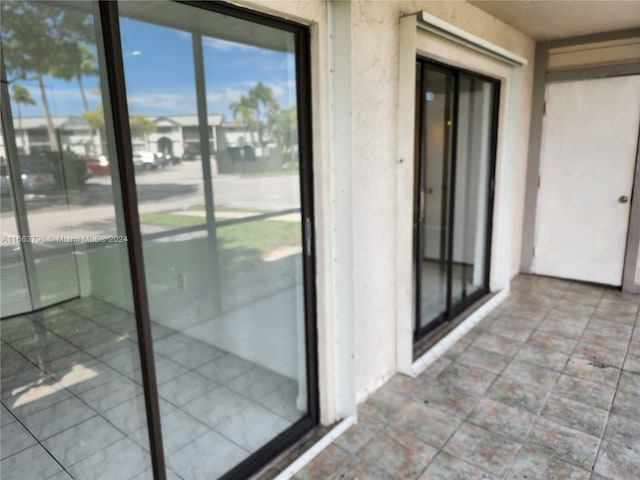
(48, 148)
(435, 172)
(258, 214)
(473, 161)
(16, 296)
(455, 148)
(71, 383)
(222, 228)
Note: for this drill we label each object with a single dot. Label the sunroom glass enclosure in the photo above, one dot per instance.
(157, 256)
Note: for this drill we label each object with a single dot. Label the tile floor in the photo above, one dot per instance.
(546, 387)
(73, 405)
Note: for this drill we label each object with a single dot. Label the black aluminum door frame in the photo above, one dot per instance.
(451, 310)
(109, 19)
(420, 197)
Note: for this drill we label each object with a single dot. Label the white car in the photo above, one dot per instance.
(146, 160)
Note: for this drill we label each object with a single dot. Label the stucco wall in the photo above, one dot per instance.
(637, 289)
(375, 43)
(374, 114)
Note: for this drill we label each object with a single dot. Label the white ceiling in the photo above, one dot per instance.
(549, 20)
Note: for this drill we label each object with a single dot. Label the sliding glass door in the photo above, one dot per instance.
(221, 222)
(72, 387)
(455, 148)
(158, 300)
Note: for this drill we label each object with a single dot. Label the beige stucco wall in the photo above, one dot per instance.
(374, 91)
(375, 43)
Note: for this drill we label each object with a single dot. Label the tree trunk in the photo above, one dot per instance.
(45, 105)
(260, 130)
(23, 134)
(85, 104)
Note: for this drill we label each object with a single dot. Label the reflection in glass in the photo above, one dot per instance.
(222, 228)
(435, 178)
(453, 180)
(15, 296)
(71, 388)
(472, 186)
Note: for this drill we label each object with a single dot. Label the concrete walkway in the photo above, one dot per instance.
(545, 387)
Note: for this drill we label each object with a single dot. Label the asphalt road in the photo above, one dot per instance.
(90, 210)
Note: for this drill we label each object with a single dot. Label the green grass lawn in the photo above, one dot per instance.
(171, 220)
(273, 173)
(239, 243)
(225, 208)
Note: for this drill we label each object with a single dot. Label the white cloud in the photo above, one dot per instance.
(159, 102)
(214, 97)
(219, 102)
(280, 89)
(226, 46)
(169, 102)
(277, 90)
(62, 99)
(232, 94)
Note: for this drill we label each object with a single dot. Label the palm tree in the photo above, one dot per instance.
(38, 36)
(21, 96)
(78, 61)
(264, 103)
(257, 110)
(243, 111)
(284, 126)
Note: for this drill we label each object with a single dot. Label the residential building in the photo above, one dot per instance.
(174, 134)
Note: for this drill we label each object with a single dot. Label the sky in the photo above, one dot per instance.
(160, 79)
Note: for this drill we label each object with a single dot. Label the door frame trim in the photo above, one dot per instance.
(414, 40)
(631, 258)
(632, 252)
(540, 81)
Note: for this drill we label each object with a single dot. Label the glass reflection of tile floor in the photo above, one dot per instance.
(434, 289)
(73, 404)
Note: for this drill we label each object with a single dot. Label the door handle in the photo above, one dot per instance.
(623, 199)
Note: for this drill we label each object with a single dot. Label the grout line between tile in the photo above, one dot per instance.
(466, 418)
(606, 423)
(539, 414)
(38, 442)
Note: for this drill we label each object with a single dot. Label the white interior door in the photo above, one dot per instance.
(589, 149)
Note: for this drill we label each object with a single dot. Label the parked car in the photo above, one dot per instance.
(172, 159)
(190, 154)
(66, 167)
(35, 178)
(147, 160)
(162, 159)
(97, 165)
